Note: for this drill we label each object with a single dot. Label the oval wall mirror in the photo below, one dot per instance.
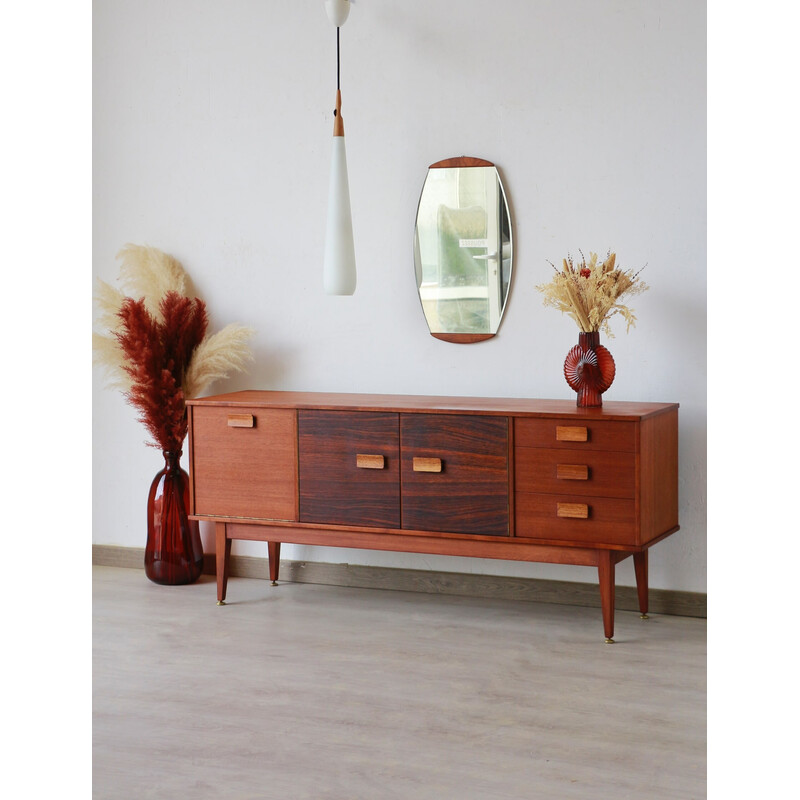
(463, 249)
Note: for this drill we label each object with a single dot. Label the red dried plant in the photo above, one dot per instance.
(157, 354)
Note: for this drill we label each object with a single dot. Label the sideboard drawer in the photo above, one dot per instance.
(579, 434)
(597, 473)
(244, 462)
(576, 518)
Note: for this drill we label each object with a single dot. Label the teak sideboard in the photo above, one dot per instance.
(517, 479)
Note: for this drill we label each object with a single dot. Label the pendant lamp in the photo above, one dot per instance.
(339, 269)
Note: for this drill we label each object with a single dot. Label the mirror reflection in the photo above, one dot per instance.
(463, 249)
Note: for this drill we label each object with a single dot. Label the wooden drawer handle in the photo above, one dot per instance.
(241, 421)
(572, 472)
(427, 465)
(365, 461)
(572, 510)
(565, 433)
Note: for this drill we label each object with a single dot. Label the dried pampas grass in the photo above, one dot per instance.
(107, 353)
(106, 349)
(590, 292)
(150, 274)
(216, 358)
(153, 345)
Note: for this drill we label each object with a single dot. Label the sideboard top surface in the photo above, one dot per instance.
(432, 404)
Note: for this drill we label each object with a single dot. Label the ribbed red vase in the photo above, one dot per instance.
(589, 369)
(174, 552)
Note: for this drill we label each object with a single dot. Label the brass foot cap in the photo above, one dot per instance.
(609, 641)
(643, 616)
(220, 602)
(274, 583)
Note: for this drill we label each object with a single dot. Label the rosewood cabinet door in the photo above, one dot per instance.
(455, 473)
(349, 468)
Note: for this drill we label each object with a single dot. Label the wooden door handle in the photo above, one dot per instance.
(572, 472)
(427, 464)
(241, 421)
(366, 461)
(571, 433)
(572, 510)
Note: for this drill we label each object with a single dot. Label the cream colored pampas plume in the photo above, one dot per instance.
(149, 273)
(107, 352)
(217, 357)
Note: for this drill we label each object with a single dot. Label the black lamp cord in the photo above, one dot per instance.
(337, 64)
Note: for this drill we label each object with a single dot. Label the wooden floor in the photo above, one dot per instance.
(329, 693)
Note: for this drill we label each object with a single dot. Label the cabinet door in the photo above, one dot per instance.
(349, 468)
(455, 473)
(244, 462)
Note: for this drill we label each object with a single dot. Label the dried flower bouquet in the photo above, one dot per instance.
(154, 344)
(590, 292)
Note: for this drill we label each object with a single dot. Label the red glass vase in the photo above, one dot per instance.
(589, 369)
(174, 552)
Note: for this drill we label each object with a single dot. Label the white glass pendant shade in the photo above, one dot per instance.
(337, 11)
(339, 269)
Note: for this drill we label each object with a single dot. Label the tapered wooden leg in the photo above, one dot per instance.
(640, 566)
(274, 552)
(223, 562)
(605, 569)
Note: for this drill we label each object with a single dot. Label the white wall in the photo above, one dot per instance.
(212, 136)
